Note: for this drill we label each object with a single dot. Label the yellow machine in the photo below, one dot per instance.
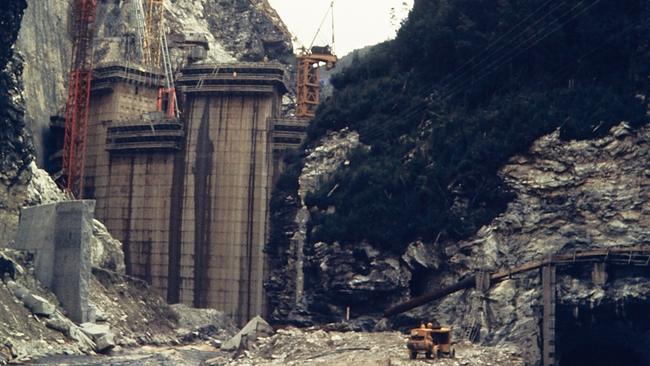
(442, 338)
(432, 341)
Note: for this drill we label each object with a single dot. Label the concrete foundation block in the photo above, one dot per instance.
(60, 235)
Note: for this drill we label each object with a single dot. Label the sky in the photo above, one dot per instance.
(357, 23)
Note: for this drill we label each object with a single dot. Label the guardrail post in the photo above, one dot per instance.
(548, 322)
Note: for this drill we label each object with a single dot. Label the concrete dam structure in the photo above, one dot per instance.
(189, 197)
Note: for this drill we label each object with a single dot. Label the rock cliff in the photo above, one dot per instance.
(44, 42)
(15, 141)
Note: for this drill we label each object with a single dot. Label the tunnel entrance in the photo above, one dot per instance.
(609, 334)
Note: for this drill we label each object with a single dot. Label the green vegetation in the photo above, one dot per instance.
(439, 128)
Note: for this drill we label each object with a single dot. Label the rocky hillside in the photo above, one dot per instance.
(236, 30)
(481, 159)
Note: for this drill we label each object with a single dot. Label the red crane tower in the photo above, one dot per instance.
(78, 103)
(310, 60)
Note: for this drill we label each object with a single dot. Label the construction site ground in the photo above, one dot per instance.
(293, 346)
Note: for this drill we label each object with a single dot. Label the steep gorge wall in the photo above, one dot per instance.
(15, 142)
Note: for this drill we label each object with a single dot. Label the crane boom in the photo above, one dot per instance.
(78, 101)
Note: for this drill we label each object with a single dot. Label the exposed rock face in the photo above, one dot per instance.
(285, 285)
(15, 142)
(33, 187)
(106, 252)
(570, 195)
(45, 44)
(251, 29)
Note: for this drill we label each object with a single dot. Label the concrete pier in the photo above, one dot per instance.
(222, 224)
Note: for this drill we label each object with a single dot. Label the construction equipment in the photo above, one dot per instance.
(78, 101)
(421, 340)
(308, 86)
(442, 338)
(433, 341)
(155, 51)
(310, 60)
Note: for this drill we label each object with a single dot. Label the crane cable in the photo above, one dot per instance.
(496, 64)
(459, 75)
(503, 36)
(329, 9)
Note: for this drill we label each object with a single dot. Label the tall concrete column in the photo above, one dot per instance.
(227, 175)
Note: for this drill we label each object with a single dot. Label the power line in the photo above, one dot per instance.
(516, 40)
(536, 38)
(494, 66)
(504, 35)
(458, 77)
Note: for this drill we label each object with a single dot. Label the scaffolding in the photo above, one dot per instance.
(138, 12)
(169, 89)
(154, 27)
(78, 101)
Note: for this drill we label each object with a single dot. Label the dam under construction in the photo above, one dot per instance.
(180, 145)
(188, 196)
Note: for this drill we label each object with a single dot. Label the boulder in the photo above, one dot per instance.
(18, 290)
(101, 334)
(193, 319)
(39, 305)
(95, 331)
(105, 343)
(106, 252)
(419, 255)
(255, 328)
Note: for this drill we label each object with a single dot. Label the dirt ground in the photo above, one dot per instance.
(302, 347)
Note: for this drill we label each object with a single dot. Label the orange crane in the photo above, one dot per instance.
(308, 80)
(78, 102)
